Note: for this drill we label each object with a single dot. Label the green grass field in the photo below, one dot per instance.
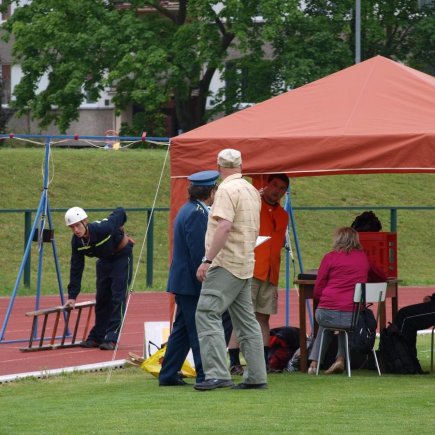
(94, 178)
(129, 401)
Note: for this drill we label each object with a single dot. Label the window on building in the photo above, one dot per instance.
(6, 14)
(6, 84)
(422, 3)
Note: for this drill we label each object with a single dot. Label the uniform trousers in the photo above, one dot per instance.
(113, 279)
(183, 338)
(222, 291)
(413, 318)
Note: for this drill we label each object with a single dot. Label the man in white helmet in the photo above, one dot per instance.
(107, 241)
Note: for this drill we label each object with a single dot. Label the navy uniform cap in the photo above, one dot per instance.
(204, 178)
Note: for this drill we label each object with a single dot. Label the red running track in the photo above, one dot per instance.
(143, 307)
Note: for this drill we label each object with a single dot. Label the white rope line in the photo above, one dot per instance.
(158, 143)
(109, 375)
(44, 215)
(90, 143)
(28, 140)
(97, 143)
(54, 142)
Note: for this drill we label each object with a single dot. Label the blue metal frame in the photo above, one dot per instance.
(43, 214)
(78, 137)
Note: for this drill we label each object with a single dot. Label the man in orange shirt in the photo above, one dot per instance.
(264, 289)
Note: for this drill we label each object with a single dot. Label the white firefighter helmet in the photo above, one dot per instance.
(74, 215)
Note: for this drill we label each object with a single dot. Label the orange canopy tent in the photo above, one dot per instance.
(377, 116)
(374, 117)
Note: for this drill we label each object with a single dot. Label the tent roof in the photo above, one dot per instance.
(376, 116)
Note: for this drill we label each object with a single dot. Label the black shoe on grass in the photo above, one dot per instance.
(212, 384)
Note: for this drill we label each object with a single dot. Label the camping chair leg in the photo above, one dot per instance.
(320, 354)
(376, 361)
(347, 354)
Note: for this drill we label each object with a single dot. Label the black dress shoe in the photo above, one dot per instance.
(176, 383)
(89, 343)
(108, 345)
(244, 386)
(212, 384)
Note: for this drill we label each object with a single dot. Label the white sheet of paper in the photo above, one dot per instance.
(261, 239)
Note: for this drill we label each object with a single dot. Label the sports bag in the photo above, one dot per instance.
(362, 338)
(284, 341)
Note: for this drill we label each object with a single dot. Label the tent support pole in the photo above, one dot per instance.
(289, 209)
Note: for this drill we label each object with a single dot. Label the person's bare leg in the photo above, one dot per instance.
(263, 320)
(337, 367)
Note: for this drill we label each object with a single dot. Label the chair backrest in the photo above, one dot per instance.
(375, 292)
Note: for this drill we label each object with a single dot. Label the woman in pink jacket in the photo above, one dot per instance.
(339, 271)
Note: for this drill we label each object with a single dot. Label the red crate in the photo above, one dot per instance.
(381, 248)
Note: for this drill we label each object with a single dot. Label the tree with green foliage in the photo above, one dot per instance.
(151, 53)
(157, 52)
(401, 30)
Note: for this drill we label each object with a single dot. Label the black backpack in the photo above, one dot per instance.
(367, 221)
(362, 338)
(396, 354)
(284, 341)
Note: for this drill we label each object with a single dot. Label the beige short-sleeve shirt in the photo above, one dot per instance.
(239, 202)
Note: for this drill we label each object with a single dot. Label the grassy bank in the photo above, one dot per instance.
(94, 178)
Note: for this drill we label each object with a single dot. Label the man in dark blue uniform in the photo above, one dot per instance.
(107, 241)
(188, 250)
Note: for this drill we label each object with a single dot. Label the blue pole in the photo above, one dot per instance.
(27, 232)
(298, 252)
(150, 249)
(56, 257)
(357, 31)
(20, 272)
(42, 224)
(393, 220)
(287, 273)
(78, 137)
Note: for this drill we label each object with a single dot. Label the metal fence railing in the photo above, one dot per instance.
(151, 216)
(149, 242)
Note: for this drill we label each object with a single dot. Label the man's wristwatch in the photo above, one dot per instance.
(205, 260)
